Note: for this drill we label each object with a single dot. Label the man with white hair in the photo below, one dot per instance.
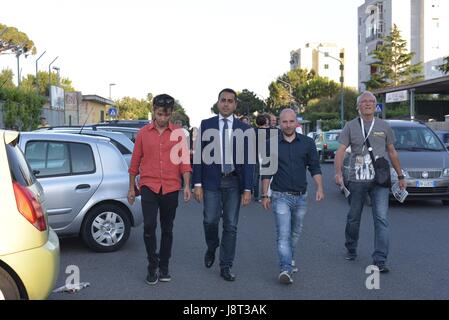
(367, 134)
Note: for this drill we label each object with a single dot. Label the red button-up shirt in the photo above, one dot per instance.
(151, 158)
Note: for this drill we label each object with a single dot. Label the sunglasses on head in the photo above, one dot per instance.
(164, 102)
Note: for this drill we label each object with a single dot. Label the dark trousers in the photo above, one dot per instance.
(225, 203)
(166, 204)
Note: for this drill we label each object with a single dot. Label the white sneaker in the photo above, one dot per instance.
(294, 267)
(285, 277)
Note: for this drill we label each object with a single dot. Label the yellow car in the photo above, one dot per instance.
(29, 248)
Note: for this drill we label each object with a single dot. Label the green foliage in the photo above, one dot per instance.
(304, 86)
(29, 83)
(21, 108)
(179, 114)
(13, 40)
(393, 63)
(328, 109)
(398, 110)
(445, 66)
(133, 109)
(6, 79)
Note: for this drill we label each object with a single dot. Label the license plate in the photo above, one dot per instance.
(425, 184)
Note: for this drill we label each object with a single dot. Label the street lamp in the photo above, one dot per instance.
(110, 92)
(49, 71)
(37, 82)
(19, 50)
(342, 84)
(110, 86)
(58, 78)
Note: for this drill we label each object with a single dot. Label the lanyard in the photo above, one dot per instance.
(363, 131)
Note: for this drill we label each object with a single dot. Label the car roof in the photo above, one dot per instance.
(111, 128)
(64, 136)
(117, 136)
(404, 123)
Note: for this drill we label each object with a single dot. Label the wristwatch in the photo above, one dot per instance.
(401, 177)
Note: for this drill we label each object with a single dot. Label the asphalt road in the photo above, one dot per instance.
(419, 257)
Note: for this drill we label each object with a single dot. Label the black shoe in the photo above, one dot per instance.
(164, 276)
(152, 278)
(226, 274)
(350, 255)
(382, 267)
(209, 259)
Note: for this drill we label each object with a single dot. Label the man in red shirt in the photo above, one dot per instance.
(160, 156)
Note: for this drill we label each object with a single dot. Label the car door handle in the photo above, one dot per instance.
(82, 187)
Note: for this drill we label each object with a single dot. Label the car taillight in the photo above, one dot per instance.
(325, 146)
(29, 207)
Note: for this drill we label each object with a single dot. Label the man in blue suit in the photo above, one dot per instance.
(223, 178)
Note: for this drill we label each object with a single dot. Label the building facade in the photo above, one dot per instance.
(320, 57)
(422, 23)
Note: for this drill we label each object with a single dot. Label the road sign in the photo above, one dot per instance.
(379, 107)
(112, 112)
(397, 96)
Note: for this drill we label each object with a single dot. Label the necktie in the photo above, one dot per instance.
(225, 144)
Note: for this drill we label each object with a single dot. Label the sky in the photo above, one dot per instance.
(190, 49)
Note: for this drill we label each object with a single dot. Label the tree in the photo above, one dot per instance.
(29, 82)
(393, 63)
(305, 86)
(14, 40)
(6, 79)
(445, 66)
(133, 108)
(179, 114)
(321, 108)
(21, 108)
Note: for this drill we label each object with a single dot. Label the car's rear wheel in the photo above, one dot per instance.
(445, 202)
(8, 287)
(106, 228)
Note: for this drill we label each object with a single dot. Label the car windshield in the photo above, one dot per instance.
(416, 139)
(332, 136)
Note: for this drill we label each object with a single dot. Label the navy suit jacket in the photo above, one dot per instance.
(209, 175)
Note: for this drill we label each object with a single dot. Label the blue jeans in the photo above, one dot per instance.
(380, 201)
(289, 212)
(225, 203)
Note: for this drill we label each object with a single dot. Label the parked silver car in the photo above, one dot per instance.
(118, 139)
(85, 180)
(424, 160)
